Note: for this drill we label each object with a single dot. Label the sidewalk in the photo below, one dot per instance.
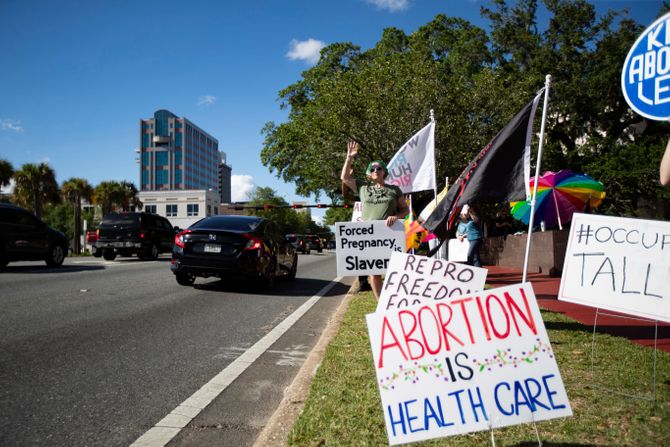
(546, 289)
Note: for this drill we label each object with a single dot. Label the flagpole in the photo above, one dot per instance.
(432, 120)
(547, 84)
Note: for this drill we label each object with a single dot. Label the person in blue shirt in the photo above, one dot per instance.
(469, 228)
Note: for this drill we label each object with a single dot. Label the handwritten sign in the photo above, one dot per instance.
(413, 279)
(364, 248)
(474, 363)
(645, 78)
(618, 264)
(458, 250)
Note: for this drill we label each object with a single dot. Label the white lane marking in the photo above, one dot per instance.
(168, 427)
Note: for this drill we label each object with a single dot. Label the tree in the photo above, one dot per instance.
(475, 82)
(276, 209)
(35, 186)
(74, 191)
(335, 214)
(111, 195)
(6, 172)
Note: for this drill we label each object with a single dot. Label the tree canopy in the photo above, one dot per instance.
(475, 82)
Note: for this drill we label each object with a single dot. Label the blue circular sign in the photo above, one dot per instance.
(645, 79)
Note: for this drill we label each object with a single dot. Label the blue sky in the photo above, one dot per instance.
(78, 75)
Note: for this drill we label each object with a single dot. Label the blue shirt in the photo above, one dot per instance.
(471, 229)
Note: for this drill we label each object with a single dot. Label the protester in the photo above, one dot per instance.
(469, 228)
(665, 166)
(379, 201)
(362, 284)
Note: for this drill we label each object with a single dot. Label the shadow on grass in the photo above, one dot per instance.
(632, 332)
(553, 444)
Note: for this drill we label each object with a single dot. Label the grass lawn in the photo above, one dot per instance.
(343, 406)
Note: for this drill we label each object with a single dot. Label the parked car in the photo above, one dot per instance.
(299, 242)
(232, 247)
(23, 237)
(315, 242)
(331, 244)
(91, 238)
(126, 234)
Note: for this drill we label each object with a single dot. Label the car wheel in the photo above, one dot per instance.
(3, 263)
(270, 276)
(152, 252)
(109, 254)
(294, 268)
(184, 279)
(97, 252)
(56, 256)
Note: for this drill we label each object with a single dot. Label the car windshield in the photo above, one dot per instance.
(120, 219)
(291, 238)
(231, 223)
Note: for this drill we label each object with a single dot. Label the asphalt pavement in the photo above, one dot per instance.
(99, 352)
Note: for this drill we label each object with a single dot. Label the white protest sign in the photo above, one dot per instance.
(357, 213)
(458, 250)
(619, 264)
(414, 279)
(364, 248)
(475, 363)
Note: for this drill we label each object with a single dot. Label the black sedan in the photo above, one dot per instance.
(233, 246)
(23, 237)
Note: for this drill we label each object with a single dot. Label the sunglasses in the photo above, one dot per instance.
(376, 169)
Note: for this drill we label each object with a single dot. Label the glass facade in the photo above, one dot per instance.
(184, 157)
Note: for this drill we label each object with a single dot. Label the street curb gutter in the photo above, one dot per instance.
(280, 423)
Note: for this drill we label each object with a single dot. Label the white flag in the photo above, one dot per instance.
(412, 167)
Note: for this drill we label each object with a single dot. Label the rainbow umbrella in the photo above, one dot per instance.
(559, 195)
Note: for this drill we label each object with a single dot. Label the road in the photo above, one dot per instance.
(98, 352)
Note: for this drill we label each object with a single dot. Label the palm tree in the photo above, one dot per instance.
(75, 190)
(129, 197)
(6, 172)
(35, 186)
(106, 194)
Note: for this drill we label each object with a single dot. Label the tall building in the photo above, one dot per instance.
(225, 171)
(180, 166)
(175, 154)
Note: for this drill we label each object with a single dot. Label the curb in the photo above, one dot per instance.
(277, 428)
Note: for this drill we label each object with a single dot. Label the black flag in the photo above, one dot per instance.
(500, 173)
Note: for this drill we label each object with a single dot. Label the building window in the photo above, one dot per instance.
(161, 158)
(209, 210)
(145, 177)
(171, 210)
(216, 210)
(145, 140)
(192, 209)
(161, 177)
(150, 209)
(177, 139)
(177, 158)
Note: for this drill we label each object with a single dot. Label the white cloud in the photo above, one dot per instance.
(206, 100)
(44, 159)
(307, 50)
(10, 124)
(391, 5)
(241, 186)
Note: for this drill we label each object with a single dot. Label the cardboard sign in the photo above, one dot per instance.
(364, 248)
(645, 78)
(619, 264)
(474, 363)
(458, 250)
(414, 279)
